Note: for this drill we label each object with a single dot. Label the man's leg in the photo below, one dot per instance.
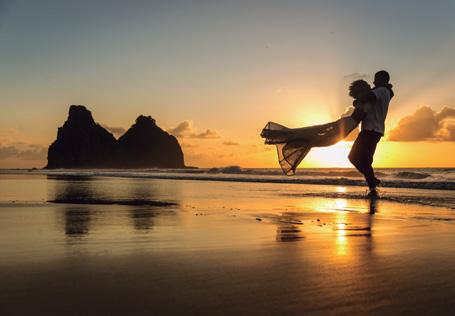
(355, 155)
(368, 171)
(361, 155)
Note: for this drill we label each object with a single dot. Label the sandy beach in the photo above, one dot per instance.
(219, 248)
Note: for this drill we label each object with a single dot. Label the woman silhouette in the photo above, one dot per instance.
(293, 144)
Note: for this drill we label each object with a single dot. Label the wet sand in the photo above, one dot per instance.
(222, 249)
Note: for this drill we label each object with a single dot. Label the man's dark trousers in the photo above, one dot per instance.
(362, 152)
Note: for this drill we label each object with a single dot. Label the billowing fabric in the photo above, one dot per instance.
(293, 144)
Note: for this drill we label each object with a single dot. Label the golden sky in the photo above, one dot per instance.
(220, 71)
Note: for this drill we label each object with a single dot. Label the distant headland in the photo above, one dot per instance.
(83, 143)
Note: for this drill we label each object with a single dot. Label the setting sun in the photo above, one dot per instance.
(333, 156)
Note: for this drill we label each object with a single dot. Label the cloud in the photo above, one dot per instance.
(186, 129)
(187, 145)
(115, 130)
(22, 151)
(181, 129)
(7, 152)
(426, 124)
(208, 134)
(230, 143)
(356, 76)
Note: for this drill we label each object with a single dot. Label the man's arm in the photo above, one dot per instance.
(367, 97)
(370, 96)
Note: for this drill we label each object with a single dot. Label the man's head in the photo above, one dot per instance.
(381, 78)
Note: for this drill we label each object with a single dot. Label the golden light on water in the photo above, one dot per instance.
(341, 241)
(341, 189)
(341, 226)
(341, 204)
(341, 244)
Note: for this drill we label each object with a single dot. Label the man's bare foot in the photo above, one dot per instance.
(377, 182)
(373, 193)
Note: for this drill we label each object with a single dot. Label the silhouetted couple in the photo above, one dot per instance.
(370, 109)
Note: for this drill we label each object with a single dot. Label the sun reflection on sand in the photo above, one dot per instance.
(341, 204)
(341, 189)
(348, 222)
(341, 242)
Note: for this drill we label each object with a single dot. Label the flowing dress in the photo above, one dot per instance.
(293, 144)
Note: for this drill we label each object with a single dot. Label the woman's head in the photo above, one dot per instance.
(358, 88)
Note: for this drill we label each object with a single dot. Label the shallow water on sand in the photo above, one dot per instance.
(142, 246)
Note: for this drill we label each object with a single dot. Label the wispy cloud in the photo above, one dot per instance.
(14, 144)
(22, 151)
(117, 131)
(208, 134)
(230, 143)
(188, 145)
(356, 76)
(186, 129)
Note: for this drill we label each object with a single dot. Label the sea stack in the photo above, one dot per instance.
(146, 145)
(83, 143)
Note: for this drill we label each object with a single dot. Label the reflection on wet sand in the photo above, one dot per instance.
(77, 221)
(77, 195)
(343, 222)
(69, 188)
(143, 219)
(342, 217)
(349, 225)
(373, 205)
(288, 228)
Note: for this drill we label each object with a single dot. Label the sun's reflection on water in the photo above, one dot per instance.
(341, 204)
(341, 189)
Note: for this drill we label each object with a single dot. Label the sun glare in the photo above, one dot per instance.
(334, 156)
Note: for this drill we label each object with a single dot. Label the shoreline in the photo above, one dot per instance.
(206, 175)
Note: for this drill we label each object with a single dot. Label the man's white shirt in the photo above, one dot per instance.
(377, 112)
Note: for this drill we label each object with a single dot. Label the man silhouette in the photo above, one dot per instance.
(372, 129)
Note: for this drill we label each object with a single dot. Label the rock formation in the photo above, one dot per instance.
(146, 145)
(83, 143)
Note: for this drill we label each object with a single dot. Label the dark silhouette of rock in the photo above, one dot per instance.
(146, 145)
(83, 143)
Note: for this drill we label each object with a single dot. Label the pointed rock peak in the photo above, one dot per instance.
(80, 114)
(145, 120)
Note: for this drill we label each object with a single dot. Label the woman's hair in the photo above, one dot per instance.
(358, 87)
